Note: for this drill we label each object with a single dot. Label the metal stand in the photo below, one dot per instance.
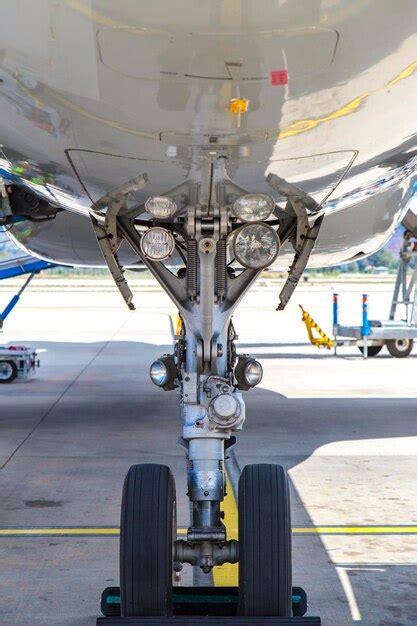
(393, 333)
(405, 292)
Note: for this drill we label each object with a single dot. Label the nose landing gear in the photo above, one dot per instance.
(209, 376)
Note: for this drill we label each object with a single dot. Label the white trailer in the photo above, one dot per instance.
(17, 362)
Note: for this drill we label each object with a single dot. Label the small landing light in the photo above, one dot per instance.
(157, 244)
(160, 207)
(253, 207)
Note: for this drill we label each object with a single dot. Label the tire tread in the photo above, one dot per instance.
(265, 584)
(146, 536)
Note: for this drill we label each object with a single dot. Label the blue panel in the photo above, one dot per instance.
(25, 268)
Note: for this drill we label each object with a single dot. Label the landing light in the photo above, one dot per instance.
(255, 245)
(248, 372)
(157, 244)
(160, 207)
(163, 372)
(158, 373)
(253, 207)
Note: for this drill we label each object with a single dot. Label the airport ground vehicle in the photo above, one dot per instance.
(17, 362)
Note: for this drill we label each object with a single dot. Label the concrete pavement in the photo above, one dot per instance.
(345, 428)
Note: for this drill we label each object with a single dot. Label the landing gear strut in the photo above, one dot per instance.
(208, 227)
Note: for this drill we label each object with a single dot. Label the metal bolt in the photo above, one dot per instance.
(207, 493)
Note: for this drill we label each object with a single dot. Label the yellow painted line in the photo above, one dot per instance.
(227, 572)
(227, 575)
(356, 530)
(70, 531)
(28, 532)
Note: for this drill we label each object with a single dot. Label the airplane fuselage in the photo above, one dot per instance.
(93, 93)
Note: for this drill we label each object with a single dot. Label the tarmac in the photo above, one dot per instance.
(345, 428)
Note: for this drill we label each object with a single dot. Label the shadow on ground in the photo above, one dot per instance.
(69, 436)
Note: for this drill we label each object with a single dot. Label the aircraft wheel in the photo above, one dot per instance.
(265, 567)
(147, 533)
(400, 348)
(372, 350)
(8, 371)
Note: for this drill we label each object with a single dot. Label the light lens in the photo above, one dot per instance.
(255, 246)
(157, 244)
(160, 207)
(248, 372)
(253, 373)
(159, 373)
(253, 207)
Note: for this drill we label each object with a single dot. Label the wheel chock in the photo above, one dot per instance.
(212, 605)
(208, 621)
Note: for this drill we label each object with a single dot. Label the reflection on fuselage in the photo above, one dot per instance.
(93, 94)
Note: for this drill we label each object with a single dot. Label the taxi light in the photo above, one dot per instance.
(253, 207)
(255, 246)
(160, 207)
(248, 372)
(163, 372)
(157, 244)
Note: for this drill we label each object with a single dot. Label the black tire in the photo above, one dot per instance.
(8, 371)
(147, 533)
(372, 350)
(265, 566)
(400, 348)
